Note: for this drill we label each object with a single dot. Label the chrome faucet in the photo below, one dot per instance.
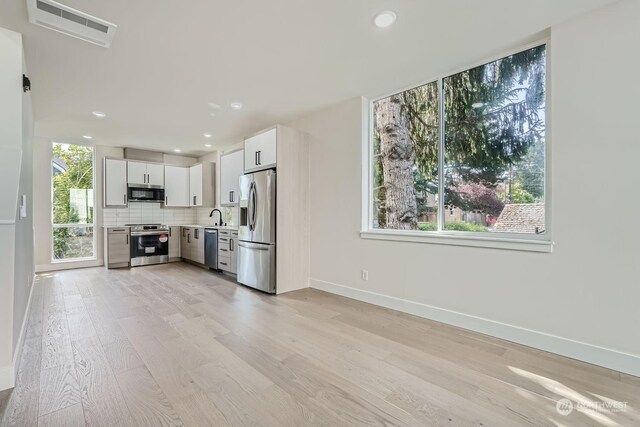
(216, 210)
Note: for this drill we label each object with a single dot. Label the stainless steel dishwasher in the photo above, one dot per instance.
(211, 248)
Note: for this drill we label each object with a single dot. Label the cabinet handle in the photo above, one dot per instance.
(127, 239)
(223, 263)
(260, 158)
(124, 197)
(166, 200)
(231, 196)
(183, 231)
(256, 158)
(231, 245)
(194, 200)
(169, 231)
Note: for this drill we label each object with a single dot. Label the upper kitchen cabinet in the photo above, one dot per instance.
(202, 190)
(260, 151)
(176, 186)
(231, 168)
(145, 174)
(115, 183)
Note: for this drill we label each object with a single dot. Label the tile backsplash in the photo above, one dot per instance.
(156, 213)
(147, 213)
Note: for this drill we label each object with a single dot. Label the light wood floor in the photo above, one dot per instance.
(176, 345)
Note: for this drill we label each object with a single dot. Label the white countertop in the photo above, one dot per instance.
(218, 227)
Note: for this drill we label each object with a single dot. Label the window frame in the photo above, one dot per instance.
(514, 241)
(54, 226)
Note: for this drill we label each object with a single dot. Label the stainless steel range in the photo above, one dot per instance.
(149, 244)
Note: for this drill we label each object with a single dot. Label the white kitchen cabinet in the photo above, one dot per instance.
(202, 185)
(260, 151)
(155, 174)
(145, 174)
(115, 183)
(231, 168)
(175, 238)
(185, 242)
(195, 185)
(197, 245)
(176, 186)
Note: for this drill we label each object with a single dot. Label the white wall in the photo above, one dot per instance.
(582, 299)
(16, 233)
(24, 245)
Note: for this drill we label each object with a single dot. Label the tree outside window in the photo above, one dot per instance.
(491, 173)
(73, 207)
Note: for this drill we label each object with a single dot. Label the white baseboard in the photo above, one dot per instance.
(7, 377)
(9, 373)
(23, 330)
(601, 356)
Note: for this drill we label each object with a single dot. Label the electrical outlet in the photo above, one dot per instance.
(365, 275)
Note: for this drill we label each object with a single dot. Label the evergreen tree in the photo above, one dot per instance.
(493, 118)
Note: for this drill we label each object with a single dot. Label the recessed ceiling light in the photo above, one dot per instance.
(207, 135)
(99, 114)
(213, 105)
(177, 150)
(236, 105)
(87, 136)
(207, 145)
(212, 114)
(384, 19)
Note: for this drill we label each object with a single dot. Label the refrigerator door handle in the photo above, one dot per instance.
(254, 247)
(255, 207)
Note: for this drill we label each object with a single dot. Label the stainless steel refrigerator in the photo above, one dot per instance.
(257, 233)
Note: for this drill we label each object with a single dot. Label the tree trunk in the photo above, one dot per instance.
(398, 159)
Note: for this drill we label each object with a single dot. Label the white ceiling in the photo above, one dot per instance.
(280, 58)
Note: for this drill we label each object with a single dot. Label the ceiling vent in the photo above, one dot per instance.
(65, 20)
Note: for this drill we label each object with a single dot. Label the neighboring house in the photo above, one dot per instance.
(521, 218)
(58, 166)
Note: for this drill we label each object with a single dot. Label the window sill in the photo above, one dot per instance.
(70, 260)
(492, 242)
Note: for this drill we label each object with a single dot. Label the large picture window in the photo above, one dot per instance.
(72, 203)
(464, 154)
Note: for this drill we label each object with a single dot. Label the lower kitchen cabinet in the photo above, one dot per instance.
(175, 238)
(197, 245)
(117, 252)
(227, 250)
(185, 242)
(192, 244)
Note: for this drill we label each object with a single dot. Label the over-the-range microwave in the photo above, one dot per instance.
(141, 194)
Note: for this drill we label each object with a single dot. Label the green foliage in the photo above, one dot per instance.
(530, 172)
(427, 226)
(464, 226)
(493, 115)
(518, 195)
(71, 242)
(452, 226)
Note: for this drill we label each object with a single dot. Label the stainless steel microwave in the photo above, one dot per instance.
(137, 194)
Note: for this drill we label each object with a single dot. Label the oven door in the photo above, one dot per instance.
(149, 248)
